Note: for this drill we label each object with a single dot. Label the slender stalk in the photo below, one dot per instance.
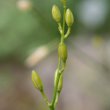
(63, 32)
(56, 101)
(67, 33)
(56, 94)
(60, 64)
(45, 98)
(57, 81)
(60, 28)
(64, 19)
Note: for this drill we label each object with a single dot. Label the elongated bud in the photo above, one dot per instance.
(55, 78)
(60, 84)
(62, 51)
(56, 13)
(37, 81)
(69, 18)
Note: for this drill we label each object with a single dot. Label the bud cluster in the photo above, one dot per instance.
(68, 19)
(62, 49)
(56, 14)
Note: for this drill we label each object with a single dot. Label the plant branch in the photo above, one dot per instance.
(45, 98)
(67, 33)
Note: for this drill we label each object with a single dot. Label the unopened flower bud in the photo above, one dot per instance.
(69, 18)
(60, 84)
(56, 13)
(37, 81)
(55, 78)
(62, 51)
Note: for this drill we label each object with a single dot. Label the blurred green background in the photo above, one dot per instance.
(29, 39)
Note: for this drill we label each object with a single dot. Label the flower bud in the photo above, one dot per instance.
(56, 13)
(55, 78)
(37, 81)
(69, 18)
(60, 84)
(62, 51)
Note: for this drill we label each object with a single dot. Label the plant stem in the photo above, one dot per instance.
(64, 19)
(61, 64)
(45, 98)
(56, 94)
(63, 31)
(67, 33)
(57, 81)
(56, 101)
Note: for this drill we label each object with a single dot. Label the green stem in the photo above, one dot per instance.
(63, 31)
(55, 96)
(67, 33)
(45, 98)
(60, 28)
(60, 64)
(57, 81)
(56, 101)
(52, 108)
(64, 19)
